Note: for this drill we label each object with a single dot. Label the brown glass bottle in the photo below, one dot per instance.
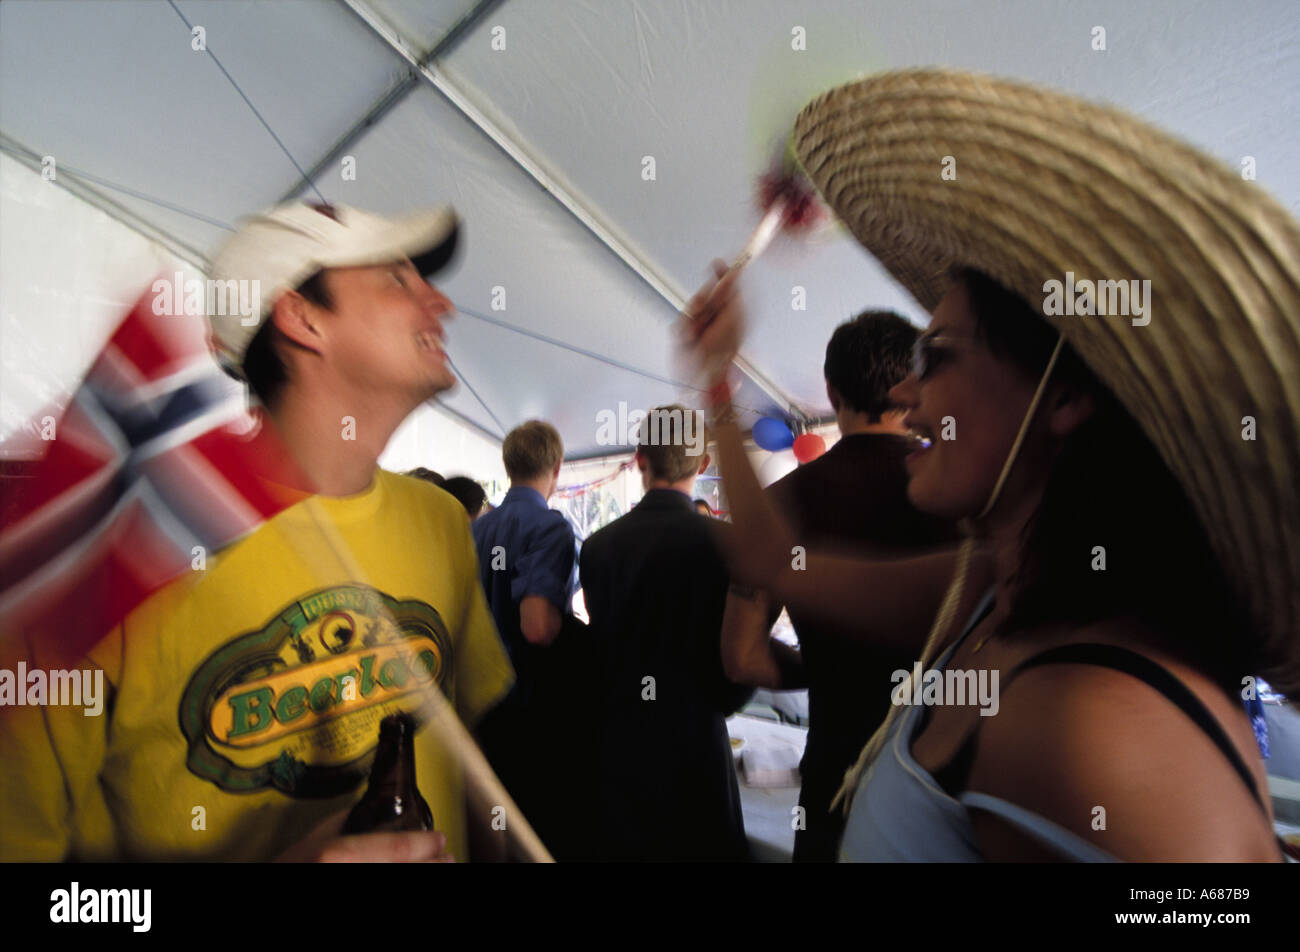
(392, 802)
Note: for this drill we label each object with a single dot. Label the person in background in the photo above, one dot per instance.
(851, 499)
(469, 492)
(428, 475)
(703, 508)
(655, 587)
(527, 560)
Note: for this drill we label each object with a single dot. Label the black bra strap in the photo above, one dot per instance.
(1144, 669)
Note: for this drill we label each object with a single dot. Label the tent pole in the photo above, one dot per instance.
(394, 97)
(558, 189)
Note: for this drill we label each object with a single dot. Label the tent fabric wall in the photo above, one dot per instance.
(68, 273)
(434, 440)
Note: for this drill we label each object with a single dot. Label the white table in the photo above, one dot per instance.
(769, 811)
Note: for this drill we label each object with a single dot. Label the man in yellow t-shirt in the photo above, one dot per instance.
(244, 702)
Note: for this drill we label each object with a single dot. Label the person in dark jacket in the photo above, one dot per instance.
(655, 587)
(852, 500)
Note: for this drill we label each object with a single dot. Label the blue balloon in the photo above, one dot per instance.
(772, 434)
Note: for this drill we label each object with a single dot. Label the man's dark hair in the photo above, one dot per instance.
(1109, 486)
(468, 492)
(428, 475)
(264, 368)
(866, 357)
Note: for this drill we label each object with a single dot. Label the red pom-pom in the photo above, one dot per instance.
(786, 185)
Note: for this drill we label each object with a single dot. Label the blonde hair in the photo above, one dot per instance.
(531, 449)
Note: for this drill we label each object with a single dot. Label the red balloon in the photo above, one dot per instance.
(808, 447)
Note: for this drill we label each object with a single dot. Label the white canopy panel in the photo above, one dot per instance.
(578, 96)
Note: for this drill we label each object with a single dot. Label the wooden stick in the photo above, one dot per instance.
(446, 724)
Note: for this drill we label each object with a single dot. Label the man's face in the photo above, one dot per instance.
(385, 332)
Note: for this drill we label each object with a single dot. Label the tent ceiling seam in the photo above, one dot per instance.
(573, 348)
(483, 403)
(394, 96)
(438, 405)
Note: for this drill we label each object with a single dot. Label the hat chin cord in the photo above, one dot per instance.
(951, 599)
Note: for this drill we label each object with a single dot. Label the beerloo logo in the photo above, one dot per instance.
(296, 705)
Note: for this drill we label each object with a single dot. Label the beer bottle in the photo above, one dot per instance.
(392, 803)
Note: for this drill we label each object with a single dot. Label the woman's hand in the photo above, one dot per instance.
(713, 325)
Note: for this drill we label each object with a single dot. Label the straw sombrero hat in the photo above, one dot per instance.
(1045, 185)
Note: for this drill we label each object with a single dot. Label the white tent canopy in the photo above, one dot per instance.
(540, 119)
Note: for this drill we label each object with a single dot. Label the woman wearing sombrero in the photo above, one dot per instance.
(1128, 480)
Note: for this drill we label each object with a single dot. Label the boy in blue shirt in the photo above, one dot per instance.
(527, 560)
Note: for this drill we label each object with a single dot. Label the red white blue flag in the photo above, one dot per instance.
(151, 469)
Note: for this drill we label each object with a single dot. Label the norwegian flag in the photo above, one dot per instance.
(151, 460)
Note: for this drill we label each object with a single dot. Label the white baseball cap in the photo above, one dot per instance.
(281, 248)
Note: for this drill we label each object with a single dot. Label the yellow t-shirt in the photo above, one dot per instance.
(244, 702)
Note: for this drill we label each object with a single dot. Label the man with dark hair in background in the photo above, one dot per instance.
(852, 499)
(655, 586)
(428, 475)
(469, 493)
